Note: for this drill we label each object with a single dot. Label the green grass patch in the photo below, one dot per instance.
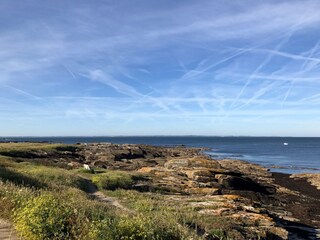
(112, 180)
(55, 177)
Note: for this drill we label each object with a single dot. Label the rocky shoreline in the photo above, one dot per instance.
(274, 205)
(257, 204)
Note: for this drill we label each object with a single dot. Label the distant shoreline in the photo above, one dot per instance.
(133, 136)
(276, 157)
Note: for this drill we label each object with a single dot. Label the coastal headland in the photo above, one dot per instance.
(199, 197)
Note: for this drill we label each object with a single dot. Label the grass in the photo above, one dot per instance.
(115, 179)
(13, 176)
(112, 180)
(33, 175)
(31, 150)
(29, 146)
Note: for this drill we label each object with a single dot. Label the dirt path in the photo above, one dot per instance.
(100, 196)
(7, 231)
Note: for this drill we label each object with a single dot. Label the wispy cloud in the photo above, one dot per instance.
(159, 65)
(105, 78)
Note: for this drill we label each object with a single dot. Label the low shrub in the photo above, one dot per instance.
(152, 226)
(136, 227)
(101, 229)
(49, 216)
(86, 171)
(12, 197)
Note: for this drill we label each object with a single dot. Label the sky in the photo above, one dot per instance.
(149, 67)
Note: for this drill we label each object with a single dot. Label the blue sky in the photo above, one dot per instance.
(148, 67)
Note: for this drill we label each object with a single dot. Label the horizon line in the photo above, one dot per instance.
(189, 135)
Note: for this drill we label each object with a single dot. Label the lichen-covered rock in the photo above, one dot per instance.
(203, 191)
(196, 162)
(177, 163)
(200, 175)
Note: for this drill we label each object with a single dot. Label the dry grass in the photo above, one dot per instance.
(28, 146)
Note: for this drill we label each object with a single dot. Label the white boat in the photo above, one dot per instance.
(285, 144)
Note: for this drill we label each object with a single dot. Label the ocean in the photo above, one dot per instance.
(280, 154)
